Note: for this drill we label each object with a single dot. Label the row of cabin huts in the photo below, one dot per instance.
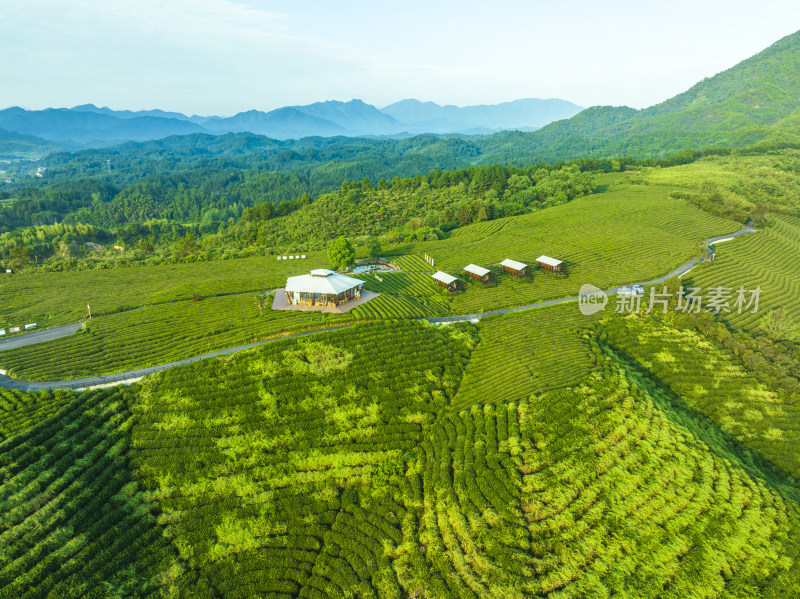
(518, 269)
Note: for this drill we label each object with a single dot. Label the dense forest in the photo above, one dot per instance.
(205, 214)
(99, 221)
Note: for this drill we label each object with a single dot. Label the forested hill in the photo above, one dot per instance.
(163, 218)
(756, 101)
(20, 145)
(331, 159)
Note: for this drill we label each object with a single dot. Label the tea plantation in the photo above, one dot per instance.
(541, 453)
(525, 353)
(767, 260)
(636, 233)
(340, 465)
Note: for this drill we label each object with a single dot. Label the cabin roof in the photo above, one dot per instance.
(444, 277)
(322, 272)
(322, 281)
(477, 270)
(513, 264)
(549, 261)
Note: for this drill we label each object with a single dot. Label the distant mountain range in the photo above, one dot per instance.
(755, 102)
(88, 125)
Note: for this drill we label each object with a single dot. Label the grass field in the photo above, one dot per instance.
(341, 465)
(57, 298)
(524, 353)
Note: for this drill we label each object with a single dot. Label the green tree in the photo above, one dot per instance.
(19, 256)
(463, 215)
(261, 301)
(186, 246)
(700, 249)
(341, 253)
(758, 213)
(374, 247)
(446, 216)
(778, 324)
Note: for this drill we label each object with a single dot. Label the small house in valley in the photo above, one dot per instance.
(322, 287)
(477, 272)
(445, 280)
(518, 269)
(550, 264)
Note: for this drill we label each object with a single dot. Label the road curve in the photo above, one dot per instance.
(91, 381)
(69, 329)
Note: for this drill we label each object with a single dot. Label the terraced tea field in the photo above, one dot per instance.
(157, 335)
(407, 294)
(626, 235)
(20, 411)
(74, 523)
(337, 465)
(523, 353)
(595, 492)
(767, 260)
(713, 381)
(57, 298)
(317, 509)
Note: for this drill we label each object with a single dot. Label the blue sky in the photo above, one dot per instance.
(225, 56)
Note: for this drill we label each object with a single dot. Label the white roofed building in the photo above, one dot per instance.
(551, 264)
(445, 280)
(322, 287)
(519, 269)
(477, 272)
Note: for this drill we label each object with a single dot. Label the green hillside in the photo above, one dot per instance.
(29, 147)
(74, 521)
(538, 453)
(757, 100)
(339, 467)
(638, 232)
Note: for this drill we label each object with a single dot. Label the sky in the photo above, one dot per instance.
(225, 56)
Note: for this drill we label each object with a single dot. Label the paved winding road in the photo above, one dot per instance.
(69, 329)
(91, 381)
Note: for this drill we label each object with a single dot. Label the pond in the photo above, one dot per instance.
(372, 268)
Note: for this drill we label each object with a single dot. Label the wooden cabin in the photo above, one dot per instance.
(518, 269)
(478, 273)
(445, 280)
(550, 264)
(322, 287)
